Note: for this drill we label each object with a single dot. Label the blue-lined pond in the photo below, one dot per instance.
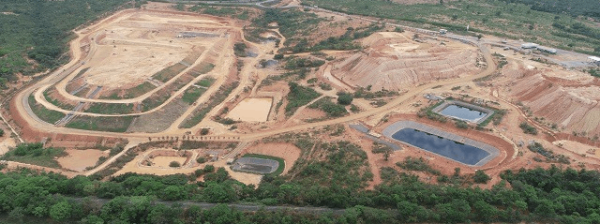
(463, 113)
(466, 154)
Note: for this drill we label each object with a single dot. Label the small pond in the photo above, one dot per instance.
(463, 113)
(466, 154)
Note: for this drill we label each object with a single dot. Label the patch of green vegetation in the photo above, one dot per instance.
(528, 129)
(169, 72)
(428, 112)
(417, 164)
(110, 108)
(221, 10)
(57, 103)
(192, 94)
(40, 31)
(367, 94)
(203, 69)
(292, 23)
(281, 162)
(50, 116)
(239, 49)
(594, 72)
(487, 17)
(550, 156)
(110, 124)
(214, 100)
(206, 82)
(35, 153)
(134, 92)
(496, 118)
(299, 96)
(330, 108)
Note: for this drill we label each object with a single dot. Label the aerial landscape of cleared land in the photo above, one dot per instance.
(289, 111)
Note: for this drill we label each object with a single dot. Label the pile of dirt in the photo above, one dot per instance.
(393, 61)
(568, 99)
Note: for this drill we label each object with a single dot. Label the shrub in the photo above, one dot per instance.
(481, 177)
(201, 160)
(528, 129)
(461, 124)
(204, 131)
(344, 98)
(278, 57)
(174, 164)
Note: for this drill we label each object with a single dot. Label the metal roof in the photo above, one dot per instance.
(594, 58)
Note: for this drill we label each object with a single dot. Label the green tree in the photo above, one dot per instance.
(61, 211)
(345, 98)
(481, 177)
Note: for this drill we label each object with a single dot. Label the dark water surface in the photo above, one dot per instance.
(466, 154)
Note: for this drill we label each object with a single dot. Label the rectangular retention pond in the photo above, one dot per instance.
(466, 154)
(451, 146)
(463, 111)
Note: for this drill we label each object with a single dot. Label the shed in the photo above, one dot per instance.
(547, 49)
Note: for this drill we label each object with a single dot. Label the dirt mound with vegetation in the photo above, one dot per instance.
(395, 61)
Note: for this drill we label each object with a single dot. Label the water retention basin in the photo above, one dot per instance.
(463, 111)
(445, 144)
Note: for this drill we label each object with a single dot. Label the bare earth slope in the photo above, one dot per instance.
(393, 61)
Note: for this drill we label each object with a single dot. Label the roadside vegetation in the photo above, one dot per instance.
(50, 116)
(111, 124)
(193, 93)
(492, 17)
(217, 98)
(133, 92)
(330, 108)
(528, 129)
(299, 96)
(34, 153)
(110, 108)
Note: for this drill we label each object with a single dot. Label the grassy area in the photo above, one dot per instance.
(35, 153)
(110, 124)
(110, 108)
(169, 72)
(193, 93)
(206, 82)
(202, 68)
(214, 100)
(134, 92)
(498, 18)
(299, 96)
(332, 109)
(280, 160)
(55, 102)
(46, 115)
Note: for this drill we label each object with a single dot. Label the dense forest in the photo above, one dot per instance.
(338, 181)
(589, 8)
(34, 33)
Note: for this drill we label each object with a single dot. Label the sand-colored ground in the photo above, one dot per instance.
(137, 166)
(567, 98)
(287, 151)
(393, 61)
(578, 148)
(164, 161)
(79, 160)
(252, 110)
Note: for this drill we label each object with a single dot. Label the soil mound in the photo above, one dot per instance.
(393, 61)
